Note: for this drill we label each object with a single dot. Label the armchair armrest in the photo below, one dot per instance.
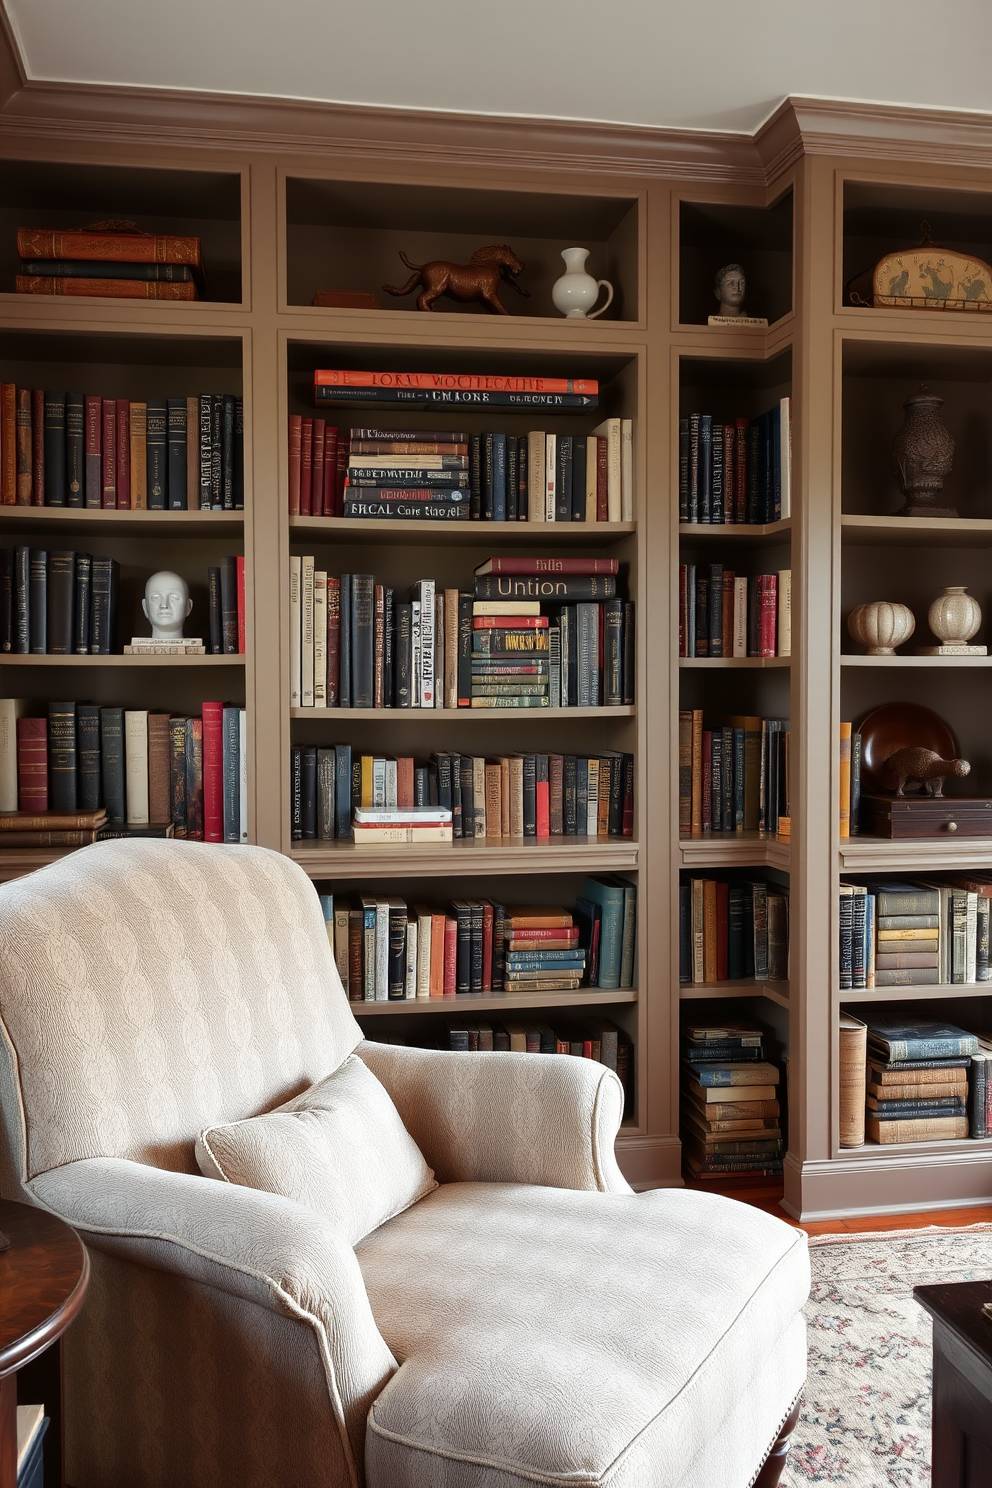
(506, 1118)
(257, 1246)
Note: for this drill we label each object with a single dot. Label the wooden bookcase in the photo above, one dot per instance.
(290, 199)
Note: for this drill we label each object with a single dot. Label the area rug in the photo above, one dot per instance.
(866, 1418)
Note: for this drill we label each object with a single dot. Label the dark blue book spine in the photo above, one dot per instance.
(231, 721)
(38, 601)
(176, 453)
(61, 584)
(239, 454)
(475, 463)
(308, 756)
(563, 479)
(685, 933)
(388, 648)
(156, 453)
(6, 599)
(296, 793)
(342, 790)
(22, 590)
(486, 479)
(344, 644)
(579, 478)
(718, 477)
(705, 467)
(217, 451)
(75, 470)
(88, 756)
(499, 478)
(103, 606)
(112, 763)
(55, 449)
(63, 784)
(568, 792)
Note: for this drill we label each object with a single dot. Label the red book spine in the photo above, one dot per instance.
(333, 639)
(450, 957)
(94, 472)
(37, 447)
(728, 611)
(330, 471)
(109, 454)
(767, 614)
(240, 568)
(487, 947)
(104, 289)
(317, 471)
(729, 467)
(525, 567)
(213, 772)
(306, 466)
(124, 454)
(404, 780)
(740, 470)
(542, 800)
(24, 446)
(602, 480)
(722, 930)
(8, 441)
(32, 764)
(707, 780)
(344, 451)
(378, 646)
(466, 381)
(295, 438)
(509, 622)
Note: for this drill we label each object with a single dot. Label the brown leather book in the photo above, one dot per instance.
(346, 299)
(50, 821)
(853, 1055)
(494, 801)
(8, 442)
(37, 447)
(32, 764)
(104, 289)
(24, 452)
(138, 426)
(919, 1129)
(159, 752)
(108, 245)
(892, 1075)
(696, 819)
(65, 837)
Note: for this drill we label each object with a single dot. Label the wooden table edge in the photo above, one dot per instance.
(30, 1345)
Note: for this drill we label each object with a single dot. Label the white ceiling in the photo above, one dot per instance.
(700, 64)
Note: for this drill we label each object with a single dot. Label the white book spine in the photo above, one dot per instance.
(554, 666)
(785, 612)
(627, 469)
(426, 587)
(610, 430)
(320, 639)
(410, 986)
(243, 774)
(424, 926)
(971, 940)
(740, 617)
(785, 456)
(382, 950)
(592, 458)
(136, 765)
(415, 650)
(389, 784)
(341, 956)
(379, 782)
(550, 476)
(479, 793)
(295, 631)
(592, 797)
(439, 650)
(11, 710)
(306, 643)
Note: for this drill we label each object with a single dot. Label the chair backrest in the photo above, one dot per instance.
(149, 988)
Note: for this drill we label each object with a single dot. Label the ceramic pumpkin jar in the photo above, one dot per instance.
(881, 625)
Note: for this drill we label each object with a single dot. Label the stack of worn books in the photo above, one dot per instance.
(543, 953)
(918, 1080)
(730, 1108)
(109, 260)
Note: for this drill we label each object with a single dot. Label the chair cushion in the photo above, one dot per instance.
(340, 1148)
(571, 1338)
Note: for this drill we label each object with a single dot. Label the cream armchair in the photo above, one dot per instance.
(531, 1321)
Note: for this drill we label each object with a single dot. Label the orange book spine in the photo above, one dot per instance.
(109, 247)
(696, 820)
(106, 289)
(404, 780)
(467, 381)
(435, 985)
(450, 957)
(709, 930)
(845, 780)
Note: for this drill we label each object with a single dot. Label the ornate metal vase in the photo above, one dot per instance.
(922, 453)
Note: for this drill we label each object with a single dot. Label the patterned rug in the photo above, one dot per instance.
(866, 1418)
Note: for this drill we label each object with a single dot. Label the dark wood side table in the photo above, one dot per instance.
(962, 1383)
(43, 1276)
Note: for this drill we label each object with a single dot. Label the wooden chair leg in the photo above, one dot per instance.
(774, 1467)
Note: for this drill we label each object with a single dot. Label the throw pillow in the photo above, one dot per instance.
(340, 1148)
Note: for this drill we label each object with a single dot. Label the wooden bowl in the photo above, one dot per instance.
(897, 726)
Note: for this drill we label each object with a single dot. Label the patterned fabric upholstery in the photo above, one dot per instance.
(616, 1326)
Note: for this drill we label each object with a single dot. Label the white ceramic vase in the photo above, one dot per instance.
(575, 293)
(881, 626)
(954, 616)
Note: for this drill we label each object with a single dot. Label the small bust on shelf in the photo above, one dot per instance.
(166, 606)
(730, 287)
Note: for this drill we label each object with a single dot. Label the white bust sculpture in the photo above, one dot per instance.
(729, 287)
(166, 605)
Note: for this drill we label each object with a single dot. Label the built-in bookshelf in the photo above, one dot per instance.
(277, 226)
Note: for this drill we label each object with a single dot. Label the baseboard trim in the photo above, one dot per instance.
(650, 1162)
(852, 1188)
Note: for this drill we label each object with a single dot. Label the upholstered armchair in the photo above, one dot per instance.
(531, 1320)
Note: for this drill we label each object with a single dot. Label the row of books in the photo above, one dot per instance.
(109, 260)
(354, 644)
(493, 477)
(388, 950)
(733, 777)
(506, 796)
(729, 931)
(144, 769)
(349, 388)
(731, 1116)
(722, 613)
(738, 470)
(63, 603)
(82, 450)
(915, 932)
(850, 781)
(913, 1079)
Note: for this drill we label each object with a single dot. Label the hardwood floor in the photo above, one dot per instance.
(767, 1196)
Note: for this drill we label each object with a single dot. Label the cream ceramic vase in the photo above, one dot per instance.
(954, 616)
(881, 626)
(575, 293)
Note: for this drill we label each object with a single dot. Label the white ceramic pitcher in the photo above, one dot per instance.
(575, 293)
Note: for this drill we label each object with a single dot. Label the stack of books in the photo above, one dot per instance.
(733, 777)
(470, 945)
(918, 1080)
(722, 614)
(51, 828)
(730, 1108)
(82, 450)
(355, 644)
(151, 773)
(910, 933)
(739, 471)
(392, 473)
(109, 260)
(729, 931)
(509, 796)
(382, 826)
(543, 953)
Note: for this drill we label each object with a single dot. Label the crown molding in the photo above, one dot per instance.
(12, 74)
(896, 132)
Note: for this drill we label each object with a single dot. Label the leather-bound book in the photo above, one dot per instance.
(239, 454)
(227, 452)
(85, 268)
(214, 611)
(103, 289)
(61, 595)
(112, 763)
(38, 601)
(8, 442)
(23, 437)
(213, 771)
(205, 449)
(63, 793)
(82, 604)
(177, 774)
(75, 443)
(138, 457)
(176, 453)
(229, 605)
(103, 606)
(37, 447)
(113, 244)
(32, 764)
(88, 757)
(108, 458)
(156, 449)
(159, 784)
(55, 449)
(123, 454)
(193, 453)
(93, 435)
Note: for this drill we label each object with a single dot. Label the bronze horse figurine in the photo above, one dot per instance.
(479, 279)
